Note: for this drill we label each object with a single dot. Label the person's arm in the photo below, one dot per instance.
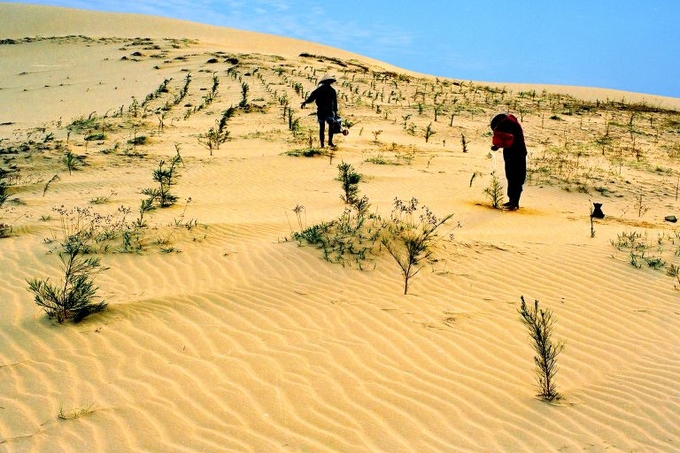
(310, 99)
(502, 139)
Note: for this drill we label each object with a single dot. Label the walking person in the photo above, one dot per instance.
(326, 107)
(508, 134)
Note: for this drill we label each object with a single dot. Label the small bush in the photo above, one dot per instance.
(349, 179)
(72, 161)
(245, 88)
(540, 324)
(5, 230)
(351, 239)
(95, 137)
(73, 297)
(77, 412)
(83, 124)
(428, 132)
(494, 192)
(411, 241)
(166, 177)
(4, 185)
(141, 140)
(306, 152)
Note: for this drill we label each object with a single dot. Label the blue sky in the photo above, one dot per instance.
(627, 45)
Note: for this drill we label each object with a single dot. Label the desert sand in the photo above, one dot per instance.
(223, 333)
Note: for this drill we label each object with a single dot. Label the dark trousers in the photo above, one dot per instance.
(323, 120)
(516, 174)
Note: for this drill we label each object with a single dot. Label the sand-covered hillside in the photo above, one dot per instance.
(255, 303)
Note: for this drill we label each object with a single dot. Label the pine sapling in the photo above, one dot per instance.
(73, 298)
(71, 161)
(494, 191)
(540, 323)
(166, 177)
(244, 95)
(429, 132)
(349, 179)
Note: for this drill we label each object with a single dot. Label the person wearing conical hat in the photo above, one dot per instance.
(508, 134)
(326, 107)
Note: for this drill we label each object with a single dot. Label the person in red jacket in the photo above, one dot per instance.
(326, 107)
(508, 134)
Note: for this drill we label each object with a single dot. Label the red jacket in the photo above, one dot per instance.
(508, 135)
(502, 139)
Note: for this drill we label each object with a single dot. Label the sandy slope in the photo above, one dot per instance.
(229, 336)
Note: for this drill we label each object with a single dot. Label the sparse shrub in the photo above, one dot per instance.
(99, 136)
(655, 262)
(293, 123)
(641, 250)
(312, 235)
(102, 200)
(632, 240)
(184, 91)
(47, 185)
(139, 140)
(410, 240)
(146, 205)
(244, 95)
(83, 124)
(5, 230)
(494, 192)
(73, 297)
(592, 224)
(166, 177)
(603, 142)
(380, 160)
(306, 152)
(635, 260)
(212, 139)
(71, 161)
(429, 132)
(351, 239)
(222, 124)
(674, 271)
(349, 179)
(180, 222)
(215, 85)
(540, 323)
(77, 412)
(4, 185)
(640, 206)
(406, 118)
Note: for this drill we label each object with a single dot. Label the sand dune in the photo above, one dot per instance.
(225, 334)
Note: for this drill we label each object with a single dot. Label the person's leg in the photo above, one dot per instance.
(322, 126)
(515, 172)
(510, 179)
(514, 194)
(330, 121)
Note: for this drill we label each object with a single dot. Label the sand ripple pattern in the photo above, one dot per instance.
(260, 356)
